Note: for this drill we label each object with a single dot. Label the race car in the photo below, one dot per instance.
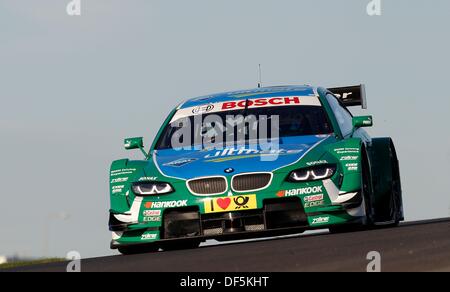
(293, 158)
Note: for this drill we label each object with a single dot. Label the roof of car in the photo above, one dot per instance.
(264, 92)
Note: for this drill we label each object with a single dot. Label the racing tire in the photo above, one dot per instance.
(396, 202)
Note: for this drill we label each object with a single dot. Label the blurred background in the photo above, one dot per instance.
(72, 87)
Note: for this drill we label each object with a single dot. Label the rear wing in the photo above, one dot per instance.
(351, 95)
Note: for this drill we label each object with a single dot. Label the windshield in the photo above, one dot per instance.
(245, 124)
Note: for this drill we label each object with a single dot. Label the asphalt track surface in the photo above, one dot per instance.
(414, 246)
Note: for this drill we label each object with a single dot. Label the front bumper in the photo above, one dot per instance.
(277, 217)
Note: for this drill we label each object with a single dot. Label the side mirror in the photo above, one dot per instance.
(134, 143)
(362, 122)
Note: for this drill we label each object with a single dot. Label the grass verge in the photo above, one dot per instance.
(19, 264)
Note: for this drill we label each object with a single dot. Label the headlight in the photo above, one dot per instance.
(151, 188)
(314, 173)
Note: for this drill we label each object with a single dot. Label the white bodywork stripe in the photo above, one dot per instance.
(337, 197)
(133, 215)
(117, 235)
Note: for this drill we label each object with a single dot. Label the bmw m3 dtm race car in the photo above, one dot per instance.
(316, 168)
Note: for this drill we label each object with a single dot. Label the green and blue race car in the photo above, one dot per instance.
(284, 160)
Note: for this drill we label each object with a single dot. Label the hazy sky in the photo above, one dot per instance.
(71, 88)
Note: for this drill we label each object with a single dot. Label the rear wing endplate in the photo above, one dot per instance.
(351, 95)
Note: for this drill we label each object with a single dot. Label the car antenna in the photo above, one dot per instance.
(259, 76)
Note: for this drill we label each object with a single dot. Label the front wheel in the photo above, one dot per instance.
(395, 206)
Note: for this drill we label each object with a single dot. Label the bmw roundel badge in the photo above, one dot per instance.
(229, 170)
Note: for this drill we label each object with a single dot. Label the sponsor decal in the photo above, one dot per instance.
(314, 204)
(313, 163)
(368, 122)
(149, 236)
(119, 180)
(169, 204)
(123, 171)
(180, 162)
(313, 198)
(261, 102)
(230, 204)
(233, 104)
(281, 194)
(203, 109)
(148, 178)
(346, 150)
(250, 152)
(344, 95)
(320, 220)
(298, 192)
(152, 219)
(314, 201)
(117, 189)
(152, 213)
(349, 158)
(352, 166)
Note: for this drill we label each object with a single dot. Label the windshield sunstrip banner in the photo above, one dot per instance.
(250, 104)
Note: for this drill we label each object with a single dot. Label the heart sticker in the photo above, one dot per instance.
(224, 203)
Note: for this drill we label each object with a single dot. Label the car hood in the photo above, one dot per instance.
(188, 164)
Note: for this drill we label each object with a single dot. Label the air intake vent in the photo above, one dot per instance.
(208, 186)
(251, 182)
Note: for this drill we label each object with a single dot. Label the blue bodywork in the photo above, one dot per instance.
(180, 163)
